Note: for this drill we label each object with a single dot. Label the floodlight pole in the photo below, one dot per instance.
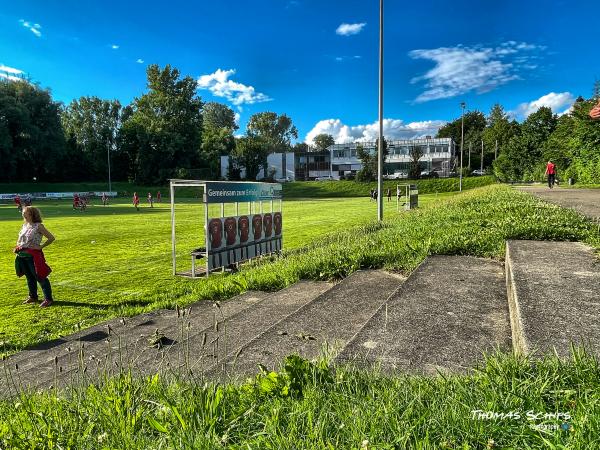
(108, 158)
(380, 146)
(462, 139)
(481, 156)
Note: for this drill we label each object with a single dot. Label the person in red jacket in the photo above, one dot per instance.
(30, 260)
(551, 172)
(158, 197)
(136, 201)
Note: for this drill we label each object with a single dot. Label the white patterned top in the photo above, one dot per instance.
(29, 236)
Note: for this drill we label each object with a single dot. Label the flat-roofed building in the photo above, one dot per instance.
(438, 155)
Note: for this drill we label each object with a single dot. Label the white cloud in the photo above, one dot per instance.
(392, 129)
(33, 27)
(10, 73)
(140, 61)
(346, 58)
(114, 46)
(236, 117)
(559, 103)
(460, 69)
(348, 29)
(11, 70)
(219, 84)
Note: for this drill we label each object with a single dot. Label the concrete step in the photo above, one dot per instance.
(99, 348)
(192, 346)
(450, 310)
(330, 320)
(554, 296)
(47, 351)
(208, 348)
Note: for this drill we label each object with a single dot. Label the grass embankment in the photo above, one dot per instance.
(299, 189)
(508, 402)
(345, 188)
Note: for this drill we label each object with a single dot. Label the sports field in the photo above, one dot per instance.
(114, 260)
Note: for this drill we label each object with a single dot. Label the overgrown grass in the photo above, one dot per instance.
(538, 404)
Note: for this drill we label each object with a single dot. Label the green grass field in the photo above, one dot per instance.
(110, 261)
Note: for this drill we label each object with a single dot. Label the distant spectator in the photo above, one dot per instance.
(595, 112)
(104, 199)
(158, 197)
(372, 195)
(150, 202)
(389, 195)
(75, 201)
(30, 260)
(136, 201)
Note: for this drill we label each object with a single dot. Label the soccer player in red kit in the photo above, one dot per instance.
(158, 197)
(136, 201)
(18, 203)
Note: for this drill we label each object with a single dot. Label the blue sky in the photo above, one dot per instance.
(315, 60)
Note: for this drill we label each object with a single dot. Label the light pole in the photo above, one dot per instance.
(108, 157)
(462, 139)
(380, 146)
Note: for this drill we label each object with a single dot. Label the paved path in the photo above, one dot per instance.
(585, 201)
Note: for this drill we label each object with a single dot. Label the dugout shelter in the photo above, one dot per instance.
(241, 221)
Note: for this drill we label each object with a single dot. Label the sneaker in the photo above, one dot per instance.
(30, 300)
(46, 303)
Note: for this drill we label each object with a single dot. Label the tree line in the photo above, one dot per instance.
(168, 132)
(516, 151)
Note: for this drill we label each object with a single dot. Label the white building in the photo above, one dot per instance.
(280, 164)
(438, 155)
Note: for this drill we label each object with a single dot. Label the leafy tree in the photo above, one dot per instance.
(217, 115)
(218, 123)
(415, 153)
(300, 147)
(522, 159)
(216, 142)
(32, 141)
(250, 153)
(500, 129)
(474, 124)
(93, 124)
(369, 169)
(162, 135)
(274, 131)
(584, 144)
(323, 141)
